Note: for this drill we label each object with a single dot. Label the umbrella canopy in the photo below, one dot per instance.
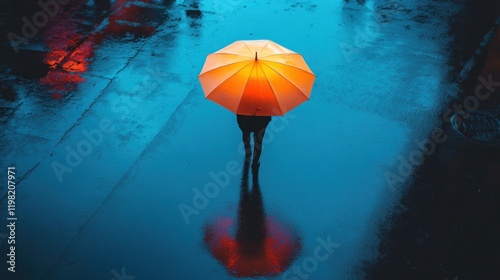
(256, 78)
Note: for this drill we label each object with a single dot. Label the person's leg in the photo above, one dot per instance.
(245, 130)
(258, 137)
(246, 143)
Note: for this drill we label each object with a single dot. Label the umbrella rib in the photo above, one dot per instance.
(282, 53)
(277, 102)
(287, 80)
(248, 47)
(309, 72)
(244, 55)
(232, 75)
(246, 84)
(218, 67)
(264, 46)
(274, 54)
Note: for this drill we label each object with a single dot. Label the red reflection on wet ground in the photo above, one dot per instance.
(278, 249)
(255, 244)
(71, 51)
(65, 64)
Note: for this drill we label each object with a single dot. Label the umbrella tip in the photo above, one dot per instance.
(255, 55)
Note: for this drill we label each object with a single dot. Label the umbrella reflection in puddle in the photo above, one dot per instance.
(256, 244)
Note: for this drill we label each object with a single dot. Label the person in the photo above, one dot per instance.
(256, 125)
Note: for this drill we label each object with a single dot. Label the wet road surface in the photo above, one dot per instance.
(122, 164)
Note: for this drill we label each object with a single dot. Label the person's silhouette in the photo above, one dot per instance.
(257, 125)
(251, 228)
(255, 245)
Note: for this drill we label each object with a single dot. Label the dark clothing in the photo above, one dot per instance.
(252, 123)
(257, 125)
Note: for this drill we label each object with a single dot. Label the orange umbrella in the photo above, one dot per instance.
(256, 78)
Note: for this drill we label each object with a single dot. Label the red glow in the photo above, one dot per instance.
(79, 59)
(280, 248)
(68, 59)
(61, 82)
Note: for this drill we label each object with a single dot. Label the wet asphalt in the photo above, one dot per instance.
(114, 145)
